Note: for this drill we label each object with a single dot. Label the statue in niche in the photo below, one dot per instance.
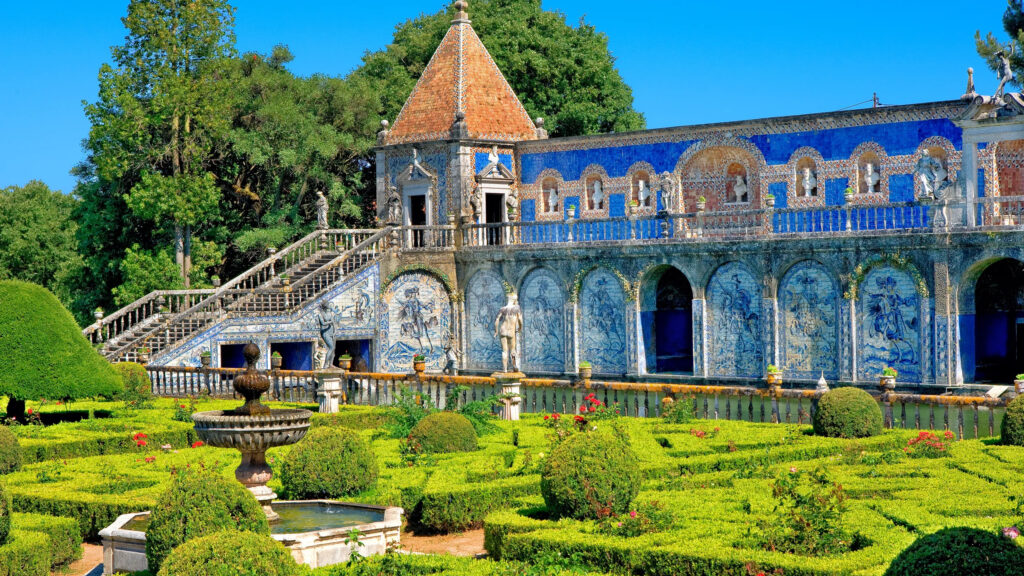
(512, 203)
(321, 211)
(552, 199)
(668, 191)
(1005, 72)
(597, 196)
(871, 178)
(507, 326)
(810, 182)
(739, 189)
(476, 203)
(394, 206)
(930, 173)
(325, 327)
(643, 193)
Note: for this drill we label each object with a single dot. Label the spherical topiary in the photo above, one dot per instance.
(200, 502)
(590, 475)
(10, 451)
(1013, 423)
(230, 553)
(443, 432)
(5, 514)
(959, 552)
(137, 388)
(847, 413)
(328, 463)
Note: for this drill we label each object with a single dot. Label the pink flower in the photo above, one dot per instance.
(1011, 532)
(150, 459)
(792, 469)
(632, 513)
(619, 525)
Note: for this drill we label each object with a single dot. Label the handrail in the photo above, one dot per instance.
(138, 312)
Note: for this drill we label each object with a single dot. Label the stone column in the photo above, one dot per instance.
(969, 165)
(635, 337)
(770, 306)
(848, 339)
(700, 346)
(329, 389)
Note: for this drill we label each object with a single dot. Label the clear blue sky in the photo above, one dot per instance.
(688, 62)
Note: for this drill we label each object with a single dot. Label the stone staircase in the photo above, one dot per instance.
(278, 286)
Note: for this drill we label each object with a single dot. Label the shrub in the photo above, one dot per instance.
(406, 412)
(231, 553)
(26, 554)
(443, 432)
(677, 411)
(65, 535)
(807, 518)
(136, 387)
(200, 502)
(590, 476)
(5, 514)
(847, 413)
(1012, 430)
(959, 552)
(43, 352)
(328, 463)
(10, 451)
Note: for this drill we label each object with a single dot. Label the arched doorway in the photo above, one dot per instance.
(999, 322)
(667, 321)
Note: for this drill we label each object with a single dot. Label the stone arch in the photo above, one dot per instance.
(414, 317)
(735, 322)
(642, 171)
(550, 175)
(704, 170)
(602, 322)
(594, 173)
(889, 316)
(543, 300)
(992, 320)
(485, 295)
(666, 320)
(809, 301)
(870, 153)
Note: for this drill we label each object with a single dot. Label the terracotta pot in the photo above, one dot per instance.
(774, 379)
(418, 366)
(345, 364)
(275, 362)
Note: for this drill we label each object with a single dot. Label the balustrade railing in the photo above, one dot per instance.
(426, 238)
(145, 310)
(965, 416)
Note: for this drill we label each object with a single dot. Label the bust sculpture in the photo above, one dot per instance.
(321, 211)
(552, 194)
(871, 178)
(597, 196)
(507, 326)
(739, 189)
(810, 182)
(643, 193)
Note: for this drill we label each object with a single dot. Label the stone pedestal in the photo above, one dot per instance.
(330, 389)
(510, 399)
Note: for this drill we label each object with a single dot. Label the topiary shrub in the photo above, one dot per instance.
(231, 553)
(43, 352)
(590, 475)
(10, 451)
(137, 390)
(328, 463)
(5, 514)
(959, 552)
(443, 432)
(1012, 430)
(200, 502)
(847, 413)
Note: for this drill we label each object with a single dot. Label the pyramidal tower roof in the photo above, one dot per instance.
(461, 95)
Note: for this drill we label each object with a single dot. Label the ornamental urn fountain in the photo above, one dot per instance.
(252, 429)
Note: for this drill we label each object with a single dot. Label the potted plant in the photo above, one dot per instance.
(286, 280)
(769, 200)
(572, 212)
(888, 379)
(275, 361)
(143, 354)
(586, 371)
(848, 193)
(1018, 384)
(345, 362)
(773, 376)
(702, 202)
(419, 363)
(633, 205)
(205, 358)
(215, 280)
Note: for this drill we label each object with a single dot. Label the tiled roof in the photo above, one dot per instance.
(462, 77)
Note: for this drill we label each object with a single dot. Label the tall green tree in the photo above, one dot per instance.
(989, 45)
(37, 238)
(162, 106)
(562, 73)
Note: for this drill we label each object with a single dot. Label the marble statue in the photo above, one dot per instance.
(643, 193)
(326, 329)
(552, 199)
(476, 203)
(1005, 72)
(739, 189)
(597, 196)
(511, 203)
(810, 182)
(930, 173)
(668, 191)
(871, 178)
(451, 360)
(321, 211)
(507, 326)
(394, 206)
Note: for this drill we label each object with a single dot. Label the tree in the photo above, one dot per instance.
(1013, 25)
(562, 73)
(43, 352)
(37, 237)
(161, 108)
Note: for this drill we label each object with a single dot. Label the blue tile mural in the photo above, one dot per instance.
(415, 317)
(890, 326)
(901, 188)
(809, 322)
(543, 302)
(485, 295)
(603, 322)
(734, 327)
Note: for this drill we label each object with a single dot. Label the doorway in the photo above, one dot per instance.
(359, 350)
(294, 355)
(494, 213)
(999, 322)
(673, 319)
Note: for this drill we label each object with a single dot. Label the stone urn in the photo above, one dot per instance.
(773, 379)
(887, 383)
(419, 365)
(769, 201)
(345, 363)
(143, 355)
(586, 371)
(701, 205)
(1018, 387)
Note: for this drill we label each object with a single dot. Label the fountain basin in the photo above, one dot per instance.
(314, 530)
(223, 429)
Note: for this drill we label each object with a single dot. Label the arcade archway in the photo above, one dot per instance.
(999, 322)
(667, 321)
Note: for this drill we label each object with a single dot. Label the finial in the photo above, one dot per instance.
(969, 93)
(460, 12)
(538, 122)
(384, 124)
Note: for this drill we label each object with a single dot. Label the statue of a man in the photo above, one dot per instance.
(668, 191)
(928, 170)
(321, 211)
(739, 189)
(871, 177)
(597, 195)
(810, 182)
(1005, 73)
(394, 206)
(507, 326)
(512, 203)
